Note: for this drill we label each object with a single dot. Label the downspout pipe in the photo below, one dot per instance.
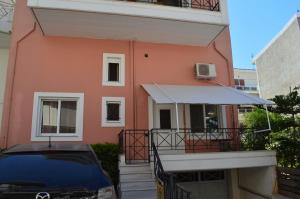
(11, 84)
(229, 76)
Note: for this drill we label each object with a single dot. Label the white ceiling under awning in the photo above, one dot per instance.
(128, 20)
(182, 94)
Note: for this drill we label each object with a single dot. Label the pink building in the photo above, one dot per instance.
(84, 71)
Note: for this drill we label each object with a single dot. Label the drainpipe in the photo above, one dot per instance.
(131, 50)
(10, 87)
(229, 76)
(227, 63)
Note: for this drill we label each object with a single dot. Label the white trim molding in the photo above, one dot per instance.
(104, 121)
(113, 58)
(36, 116)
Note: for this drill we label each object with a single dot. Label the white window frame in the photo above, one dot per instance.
(36, 134)
(106, 61)
(104, 121)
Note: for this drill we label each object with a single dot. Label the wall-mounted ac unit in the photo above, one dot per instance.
(205, 71)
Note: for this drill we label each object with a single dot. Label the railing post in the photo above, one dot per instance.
(149, 145)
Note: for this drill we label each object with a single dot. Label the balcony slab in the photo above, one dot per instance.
(122, 20)
(217, 160)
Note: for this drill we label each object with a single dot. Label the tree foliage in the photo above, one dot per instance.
(288, 105)
(285, 135)
(108, 154)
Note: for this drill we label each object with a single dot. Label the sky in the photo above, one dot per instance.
(253, 24)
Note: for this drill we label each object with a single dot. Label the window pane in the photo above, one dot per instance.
(113, 72)
(49, 116)
(68, 117)
(242, 82)
(197, 117)
(236, 82)
(165, 119)
(113, 111)
(211, 116)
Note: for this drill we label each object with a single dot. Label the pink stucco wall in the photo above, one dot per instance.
(62, 64)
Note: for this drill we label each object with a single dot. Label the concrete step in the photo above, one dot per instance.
(137, 171)
(140, 194)
(144, 185)
(137, 182)
(137, 176)
(134, 169)
(141, 180)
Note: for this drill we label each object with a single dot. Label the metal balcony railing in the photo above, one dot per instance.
(136, 143)
(172, 190)
(211, 5)
(209, 140)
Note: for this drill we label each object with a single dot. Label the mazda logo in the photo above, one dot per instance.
(42, 195)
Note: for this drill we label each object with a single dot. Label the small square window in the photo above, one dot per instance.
(113, 72)
(113, 112)
(113, 69)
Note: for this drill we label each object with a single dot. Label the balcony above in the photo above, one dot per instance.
(187, 22)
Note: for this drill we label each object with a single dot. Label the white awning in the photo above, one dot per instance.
(182, 94)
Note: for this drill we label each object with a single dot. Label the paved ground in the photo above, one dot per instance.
(280, 197)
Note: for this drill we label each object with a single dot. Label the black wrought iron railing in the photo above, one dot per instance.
(209, 140)
(211, 5)
(171, 189)
(182, 193)
(135, 144)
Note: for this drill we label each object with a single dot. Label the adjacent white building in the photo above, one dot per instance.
(278, 64)
(6, 16)
(246, 80)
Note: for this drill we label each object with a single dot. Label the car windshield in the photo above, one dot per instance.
(55, 169)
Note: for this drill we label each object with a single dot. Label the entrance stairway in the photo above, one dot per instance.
(136, 181)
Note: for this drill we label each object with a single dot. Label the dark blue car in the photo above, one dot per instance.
(58, 171)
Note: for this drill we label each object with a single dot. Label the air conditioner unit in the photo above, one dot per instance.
(205, 71)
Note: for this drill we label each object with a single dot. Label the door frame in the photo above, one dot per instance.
(159, 107)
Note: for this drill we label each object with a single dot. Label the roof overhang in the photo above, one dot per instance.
(218, 95)
(125, 20)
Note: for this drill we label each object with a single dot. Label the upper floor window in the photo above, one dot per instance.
(113, 111)
(246, 85)
(113, 69)
(59, 115)
(239, 82)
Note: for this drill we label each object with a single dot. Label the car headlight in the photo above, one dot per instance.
(107, 193)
